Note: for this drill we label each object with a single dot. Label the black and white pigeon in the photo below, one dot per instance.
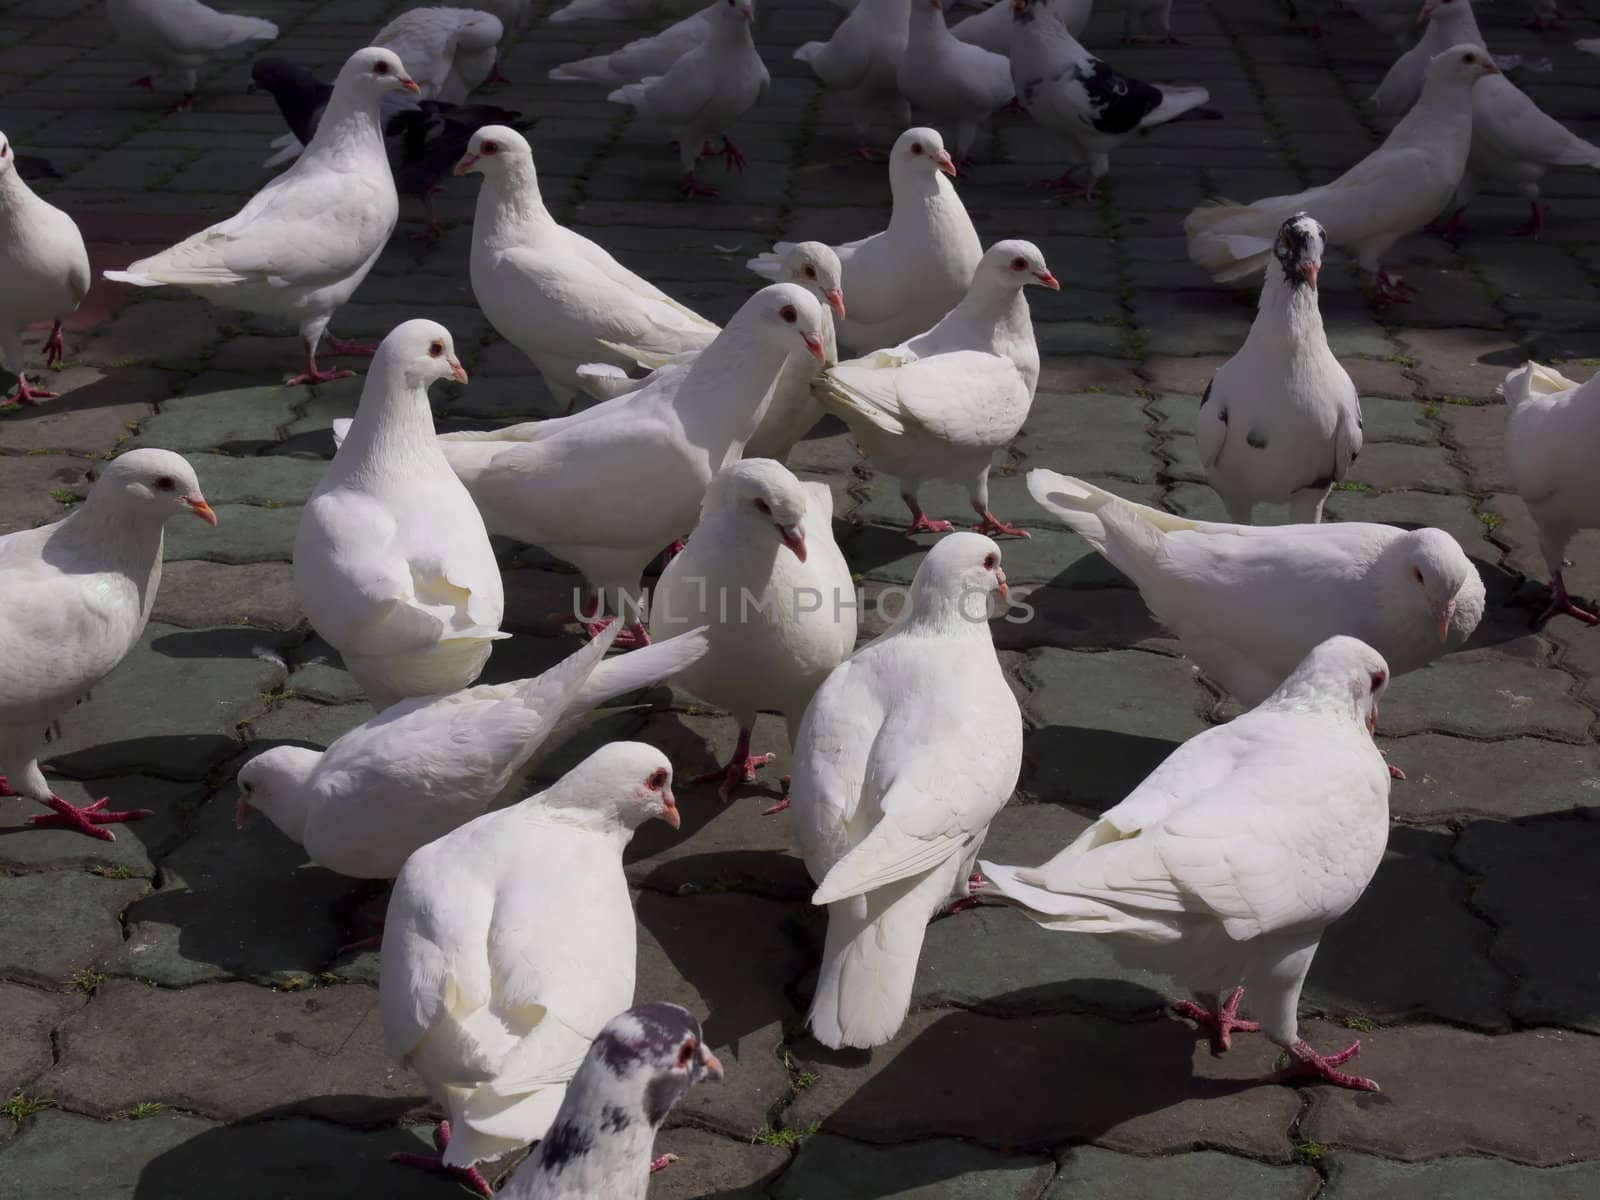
(425, 138)
(1280, 422)
(1069, 90)
(643, 1063)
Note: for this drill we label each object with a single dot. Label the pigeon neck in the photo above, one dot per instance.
(933, 611)
(1445, 101)
(914, 195)
(393, 427)
(510, 201)
(349, 132)
(121, 533)
(734, 377)
(1315, 691)
(617, 1137)
(13, 191)
(927, 26)
(1287, 306)
(576, 809)
(291, 804)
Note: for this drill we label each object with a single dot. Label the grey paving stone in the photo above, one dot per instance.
(137, 844)
(230, 1051)
(1478, 434)
(72, 924)
(711, 1167)
(1391, 465)
(1353, 1176)
(1096, 434)
(1090, 1174)
(245, 533)
(41, 483)
(31, 1015)
(256, 479)
(1509, 698)
(95, 410)
(835, 1168)
(195, 594)
(1434, 1082)
(1459, 362)
(238, 421)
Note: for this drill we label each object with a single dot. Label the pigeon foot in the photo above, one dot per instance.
(740, 769)
(662, 1161)
(1305, 1063)
(1013, 105)
(1451, 228)
(314, 374)
(691, 187)
(994, 526)
(630, 638)
(732, 159)
(337, 345)
(1535, 223)
(1562, 604)
(866, 153)
(26, 395)
(923, 525)
(470, 1176)
(55, 352)
(1396, 773)
(144, 81)
(1077, 192)
(1064, 180)
(781, 804)
(1388, 288)
(184, 105)
(88, 819)
(1222, 1020)
(495, 76)
(672, 552)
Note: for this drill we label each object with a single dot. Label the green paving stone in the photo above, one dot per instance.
(237, 421)
(245, 533)
(1386, 465)
(258, 479)
(1090, 434)
(171, 707)
(71, 924)
(326, 683)
(1356, 335)
(1088, 1173)
(1359, 1177)
(1412, 510)
(724, 1168)
(834, 1168)
(320, 406)
(1081, 337)
(1387, 420)
(1508, 698)
(179, 1157)
(27, 848)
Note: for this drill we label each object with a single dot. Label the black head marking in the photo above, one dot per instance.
(652, 1032)
(1293, 246)
(662, 1093)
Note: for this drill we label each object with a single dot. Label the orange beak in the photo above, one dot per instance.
(241, 812)
(946, 163)
(465, 165)
(1441, 620)
(1309, 272)
(1004, 589)
(1490, 69)
(711, 1063)
(835, 299)
(197, 505)
(1049, 280)
(409, 84)
(457, 371)
(814, 344)
(669, 809)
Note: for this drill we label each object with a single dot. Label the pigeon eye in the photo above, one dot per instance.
(916, 147)
(166, 484)
(380, 68)
(1019, 264)
(657, 780)
(763, 506)
(435, 349)
(811, 272)
(989, 561)
(788, 313)
(490, 148)
(686, 1053)
(1378, 680)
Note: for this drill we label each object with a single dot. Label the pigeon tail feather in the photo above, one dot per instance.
(1533, 379)
(869, 965)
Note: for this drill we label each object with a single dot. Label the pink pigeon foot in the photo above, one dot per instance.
(432, 229)
(1221, 1021)
(1013, 105)
(919, 519)
(1561, 604)
(661, 1162)
(630, 638)
(5, 788)
(781, 804)
(1451, 228)
(144, 81)
(732, 159)
(994, 526)
(691, 187)
(1305, 1063)
(86, 820)
(495, 75)
(27, 395)
(1396, 773)
(184, 105)
(867, 153)
(672, 552)
(1064, 180)
(1535, 224)
(1388, 288)
(337, 345)
(470, 1176)
(1078, 193)
(313, 374)
(55, 352)
(741, 768)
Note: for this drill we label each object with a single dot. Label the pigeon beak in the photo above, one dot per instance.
(747, 12)
(710, 1064)
(198, 506)
(1372, 720)
(1049, 280)
(242, 811)
(410, 84)
(1489, 68)
(669, 808)
(946, 163)
(1424, 13)
(835, 299)
(1442, 613)
(814, 344)
(794, 537)
(457, 371)
(465, 165)
(1310, 270)
(1004, 589)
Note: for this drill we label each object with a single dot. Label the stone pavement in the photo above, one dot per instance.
(177, 1022)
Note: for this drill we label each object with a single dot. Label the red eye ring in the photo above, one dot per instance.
(1019, 264)
(763, 506)
(990, 561)
(657, 780)
(490, 147)
(788, 313)
(916, 147)
(686, 1051)
(380, 67)
(166, 484)
(1378, 680)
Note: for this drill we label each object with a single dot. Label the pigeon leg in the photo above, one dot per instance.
(662, 1161)
(1388, 288)
(1535, 224)
(732, 159)
(866, 153)
(495, 76)
(633, 636)
(184, 105)
(313, 373)
(27, 395)
(1013, 105)
(1451, 228)
(86, 820)
(1221, 1019)
(1063, 180)
(993, 525)
(338, 346)
(5, 788)
(1562, 603)
(919, 519)
(1306, 1063)
(961, 904)
(672, 551)
(741, 767)
(144, 81)
(691, 187)
(781, 804)
(428, 1162)
(55, 352)
(432, 229)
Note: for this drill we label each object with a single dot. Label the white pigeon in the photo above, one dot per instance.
(1227, 863)
(608, 488)
(906, 753)
(1280, 422)
(391, 560)
(1551, 437)
(619, 10)
(991, 28)
(860, 61)
(449, 51)
(645, 57)
(906, 277)
(430, 764)
(555, 295)
(508, 945)
(793, 411)
(644, 1062)
(762, 570)
(1248, 602)
(306, 240)
(44, 274)
(1445, 23)
(1588, 45)
(1070, 91)
(77, 595)
(705, 92)
(180, 36)
(1393, 191)
(941, 405)
(956, 82)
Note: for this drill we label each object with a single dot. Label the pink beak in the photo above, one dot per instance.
(669, 808)
(1490, 69)
(465, 165)
(1372, 720)
(1049, 280)
(1441, 620)
(241, 812)
(1005, 590)
(946, 163)
(814, 344)
(835, 299)
(1425, 12)
(457, 371)
(197, 505)
(794, 537)
(409, 84)
(1310, 271)
(711, 1063)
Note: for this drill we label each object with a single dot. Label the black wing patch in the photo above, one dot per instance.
(1256, 439)
(1117, 104)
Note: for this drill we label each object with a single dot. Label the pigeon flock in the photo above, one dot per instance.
(509, 947)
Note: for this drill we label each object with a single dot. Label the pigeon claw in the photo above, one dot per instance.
(1306, 1064)
(691, 187)
(470, 1176)
(1387, 288)
(866, 153)
(314, 374)
(28, 395)
(1064, 180)
(88, 819)
(994, 526)
(732, 159)
(1534, 226)
(337, 345)
(1562, 604)
(1221, 1021)
(184, 105)
(921, 524)
(55, 352)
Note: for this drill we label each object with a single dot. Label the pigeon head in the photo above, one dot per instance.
(1015, 263)
(959, 583)
(784, 312)
(1437, 567)
(157, 482)
(1299, 249)
(814, 265)
(737, 12)
(921, 149)
(491, 147)
(626, 783)
(8, 158)
(1443, 10)
(1343, 675)
(274, 783)
(764, 495)
(375, 70)
(420, 351)
(1464, 64)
